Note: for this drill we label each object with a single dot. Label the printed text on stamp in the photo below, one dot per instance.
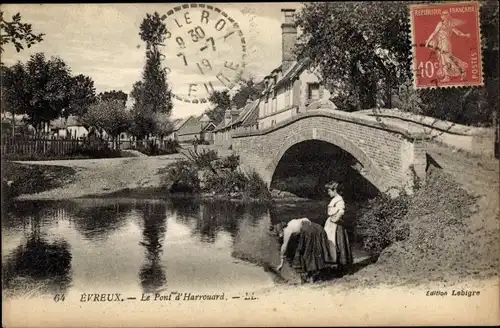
(446, 45)
(205, 51)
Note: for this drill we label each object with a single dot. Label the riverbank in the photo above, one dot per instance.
(454, 220)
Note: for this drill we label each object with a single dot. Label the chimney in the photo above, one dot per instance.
(227, 116)
(288, 39)
(235, 113)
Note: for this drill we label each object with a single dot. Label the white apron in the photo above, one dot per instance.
(336, 209)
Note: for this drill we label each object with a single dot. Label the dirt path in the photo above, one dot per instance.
(101, 176)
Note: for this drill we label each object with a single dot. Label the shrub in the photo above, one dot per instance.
(255, 187)
(153, 149)
(230, 162)
(381, 222)
(182, 176)
(204, 159)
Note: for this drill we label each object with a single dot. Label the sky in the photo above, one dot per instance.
(102, 41)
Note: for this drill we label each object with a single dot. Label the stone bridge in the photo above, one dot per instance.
(389, 153)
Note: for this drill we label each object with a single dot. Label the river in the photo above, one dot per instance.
(144, 245)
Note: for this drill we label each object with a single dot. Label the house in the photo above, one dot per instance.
(293, 87)
(186, 129)
(71, 128)
(242, 119)
(68, 128)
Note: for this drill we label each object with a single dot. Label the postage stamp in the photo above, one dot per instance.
(446, 44)
(207, 43)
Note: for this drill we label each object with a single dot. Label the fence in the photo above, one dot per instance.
(42, 147)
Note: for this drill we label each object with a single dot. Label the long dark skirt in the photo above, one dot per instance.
(344, 253)
(312, 252)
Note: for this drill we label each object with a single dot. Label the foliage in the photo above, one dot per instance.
(45, 90)
(163, 126)
(16, 32)
(153, 95)
(230, 162)
(255, 187)
(222, 101)
(381, 222)
(204, 159)
(110, 115)
(39, 89)
(114, 95)
(81, 95)
(182, 176)
(375, 60)
(152, 149)
(249, 90)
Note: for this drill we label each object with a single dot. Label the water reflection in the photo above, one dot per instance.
(154, 221)
(37, 265)
(96, 219)
(118, 244)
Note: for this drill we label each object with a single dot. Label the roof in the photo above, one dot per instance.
(204, 118)
(252, 116)
(180, 122)
(297, 68)
(245, 111)
(62, 123)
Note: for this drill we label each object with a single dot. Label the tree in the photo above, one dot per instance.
(143, 118)
(17, 32)
(354, 52)
(14, 86)
(39, 89)
(81, 95)
(362, 52)
(114, 95)
(249, 90)
(156, 96)
(222, 101)
(110, 115)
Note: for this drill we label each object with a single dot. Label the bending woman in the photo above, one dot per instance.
(311, 253)
(337, 235)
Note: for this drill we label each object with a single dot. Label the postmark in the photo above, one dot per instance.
(204, 50)
(446, 45)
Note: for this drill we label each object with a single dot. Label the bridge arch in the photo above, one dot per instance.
(390, 154)
(369, 169)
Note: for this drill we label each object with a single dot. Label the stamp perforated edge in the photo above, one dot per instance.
(413, 46)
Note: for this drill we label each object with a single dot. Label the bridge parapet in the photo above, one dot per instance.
(390, 154)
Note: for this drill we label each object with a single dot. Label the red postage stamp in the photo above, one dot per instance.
(446, 45)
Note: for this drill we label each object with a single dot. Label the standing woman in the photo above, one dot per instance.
(337, 234)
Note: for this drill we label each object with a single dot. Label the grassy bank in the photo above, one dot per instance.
(451, 236)
(18, 179)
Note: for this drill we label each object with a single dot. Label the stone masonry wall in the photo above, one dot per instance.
(385, 154)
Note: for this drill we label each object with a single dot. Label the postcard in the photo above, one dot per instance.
(250, 164)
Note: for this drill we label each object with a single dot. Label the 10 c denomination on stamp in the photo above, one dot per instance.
(205, 51)
(446, 44)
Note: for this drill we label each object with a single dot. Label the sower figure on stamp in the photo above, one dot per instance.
(449, 65)
(337, 234)
(305, 245)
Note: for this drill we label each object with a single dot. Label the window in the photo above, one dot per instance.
(313, 91)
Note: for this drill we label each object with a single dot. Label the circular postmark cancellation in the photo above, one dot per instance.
(446, 45)
(204, 51)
